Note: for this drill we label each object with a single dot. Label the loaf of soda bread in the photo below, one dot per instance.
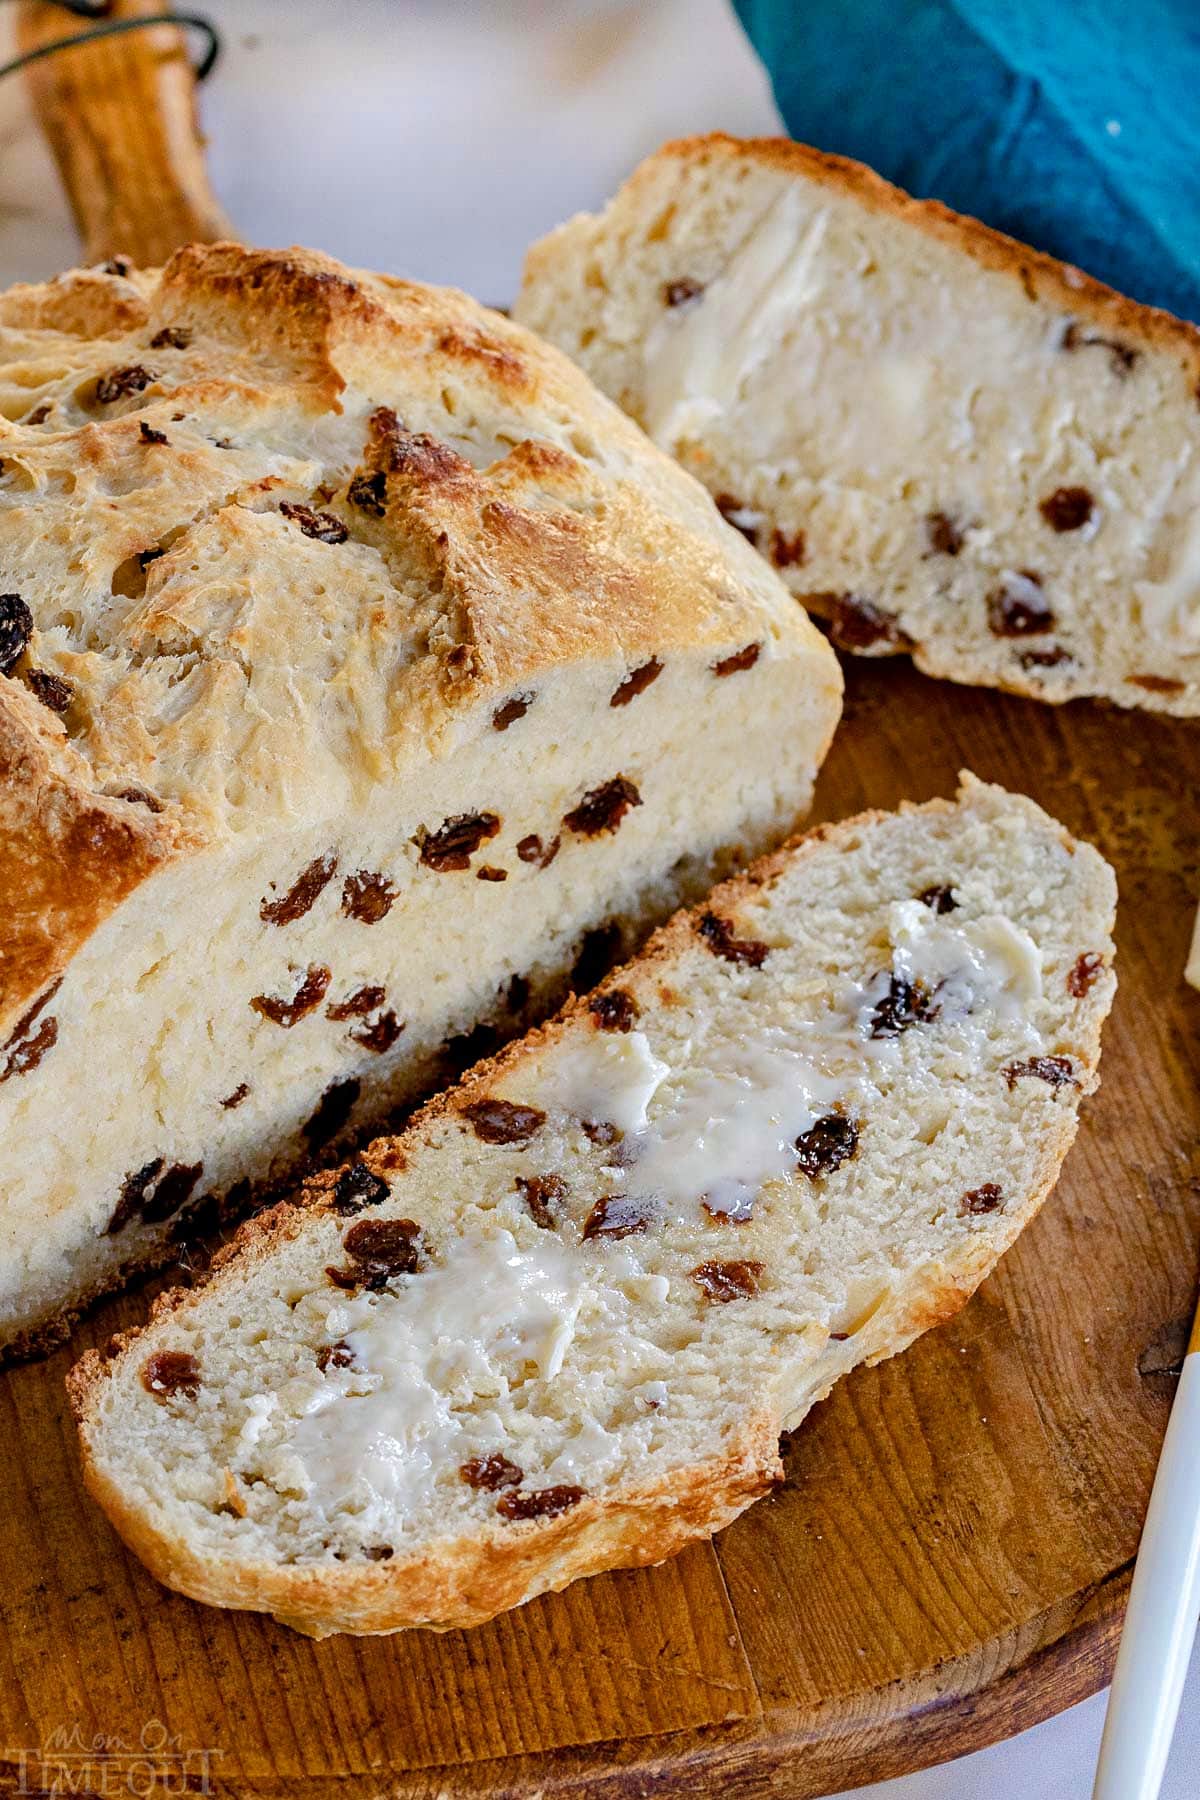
(558, 1325)
(945, 442)
(363, 673)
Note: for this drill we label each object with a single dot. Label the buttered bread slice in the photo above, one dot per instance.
(944, 441)
(560, 1323)
(365, 676)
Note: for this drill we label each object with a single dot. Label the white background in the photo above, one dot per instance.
(436, 140)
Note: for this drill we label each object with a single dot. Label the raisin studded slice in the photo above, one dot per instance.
(613, 1011)
(939, 899)
(636, 682)
(1121, 357)
(332, 1111)
(601, 1132)
(302, 894)
(905, 1003)
(511, 711)
(367, 896)
(170, 1372)
(335, 1356)
(24, 1054)
(119, 384)
(173, 1191)
(977, 1201)
(681, 291)
(379, 1249)
(357, 1005)
(234, 1100)
(602, 808)
(1067, 508)
(132, 1197)
(738, 1211)
(455, 842)
(725, 1281)
(543, 1503)
(369, 493)
(491, 1473)
(171, 337)
(859, 624)
(324, 527)
(616, 1216)
(1016, 607)
(1057, 1070)
(356, 1188)
(149, 435)
(743, 518)
(541, 1193)
(826, 1145)
(740, 660)
(503, 1121)
(139, 797)
(1083, 973)
(307, 997)
(378, 1035)
(531, 849)
(718, 934)
(943, 534)
(16, 629)
(601, 947)
(1051, 658)
(788, 552)
(50, 689)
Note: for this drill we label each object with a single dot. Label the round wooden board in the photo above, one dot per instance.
(949, 1558)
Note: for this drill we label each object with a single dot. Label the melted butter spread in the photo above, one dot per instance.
(699, 359)
(712, 1131)
(984, 962)
(446, 1341)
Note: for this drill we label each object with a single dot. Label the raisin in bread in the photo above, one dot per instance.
(945, 442)
(560, 1323)
(361, 666)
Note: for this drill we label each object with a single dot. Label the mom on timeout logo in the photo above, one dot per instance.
(106, 1767)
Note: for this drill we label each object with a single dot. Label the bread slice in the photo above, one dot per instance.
(560, 1323)
(361, 670)
(945, 442)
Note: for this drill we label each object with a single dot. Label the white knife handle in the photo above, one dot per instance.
(1164, 1603)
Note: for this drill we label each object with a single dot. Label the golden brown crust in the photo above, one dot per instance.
(1041, 276)
(459, 1582)
(68, 856)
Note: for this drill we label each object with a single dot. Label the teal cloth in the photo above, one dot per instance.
(1072, 124)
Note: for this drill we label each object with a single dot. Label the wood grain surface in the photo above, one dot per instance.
(120, 115)
(949, 1558)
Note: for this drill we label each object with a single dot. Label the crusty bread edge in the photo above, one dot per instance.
(1042, 276)
(469, 1579)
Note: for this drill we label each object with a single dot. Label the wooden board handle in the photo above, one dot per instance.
(120, 114)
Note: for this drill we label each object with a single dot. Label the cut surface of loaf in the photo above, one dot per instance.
(362, 670)
(559, 1324)
(944, 441)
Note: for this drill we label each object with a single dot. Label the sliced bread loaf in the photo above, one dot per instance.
(361, 667)
(560, 1323)
(945, 442)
